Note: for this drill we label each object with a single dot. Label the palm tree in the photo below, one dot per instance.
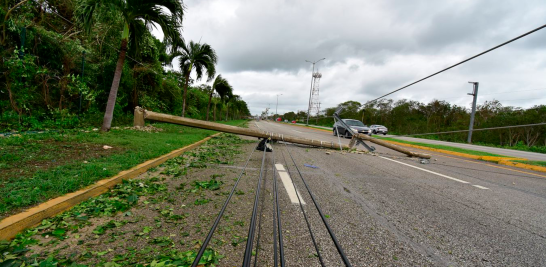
(221, 87)
(138, 17)
(198, 57)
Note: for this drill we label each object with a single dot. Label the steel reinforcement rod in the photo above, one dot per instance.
(252, 228)
(141, 115)
(220, 214)
(326, 224)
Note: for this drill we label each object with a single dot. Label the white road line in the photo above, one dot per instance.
(479, 186)
(288, 185)
(425, 170)
(296, 131)
(279, 167)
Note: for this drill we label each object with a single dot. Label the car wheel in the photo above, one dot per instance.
(347, 134)
(374, 132)
(335, 132)
(384, 133)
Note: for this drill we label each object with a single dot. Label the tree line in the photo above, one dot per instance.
(413, 117)
(67, 63)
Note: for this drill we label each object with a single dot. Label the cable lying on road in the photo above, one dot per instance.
(278, 216)
(305, 216)
(252, 227)
(220, 214)
(332, 235)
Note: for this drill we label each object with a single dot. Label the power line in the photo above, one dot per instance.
(510, 92)
(220, 214)
(317, 250)
(481, 129)
(324, 221)
(252, 228)
(466, 60)
(518, 99)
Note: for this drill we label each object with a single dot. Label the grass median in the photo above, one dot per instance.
(448, 148)
(38, 167)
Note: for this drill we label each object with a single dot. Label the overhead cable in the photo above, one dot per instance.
(481, 129)
(466, 60)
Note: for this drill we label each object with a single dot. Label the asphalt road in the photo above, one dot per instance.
(494, 150)
(390, 210)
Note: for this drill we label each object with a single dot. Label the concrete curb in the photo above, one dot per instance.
(10, 226)
(499, 160)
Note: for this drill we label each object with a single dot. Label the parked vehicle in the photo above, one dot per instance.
(379, 129)
(293, 121)
(356, 126)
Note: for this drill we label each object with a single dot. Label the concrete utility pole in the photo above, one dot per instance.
(471, 127)
(277, 104)
(311, 90)
(141, 115)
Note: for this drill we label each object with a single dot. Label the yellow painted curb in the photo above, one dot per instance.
(486, 158)
(500, 160)
(523, 165)
(9, 227)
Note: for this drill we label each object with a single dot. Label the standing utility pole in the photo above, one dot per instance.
(311, 90)
(277, 104)
(475, 94)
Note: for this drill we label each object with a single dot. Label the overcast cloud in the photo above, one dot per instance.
(373, 47)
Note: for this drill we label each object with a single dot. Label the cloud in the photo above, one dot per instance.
(371, 48)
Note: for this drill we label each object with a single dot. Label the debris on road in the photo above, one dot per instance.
(328, 153)
(310, 166)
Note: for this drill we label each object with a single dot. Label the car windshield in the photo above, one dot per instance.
(355, 123)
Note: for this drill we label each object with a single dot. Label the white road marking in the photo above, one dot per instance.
(288, 185)
(425, 170)
(480, 187)
(296, 131)
(279, 167)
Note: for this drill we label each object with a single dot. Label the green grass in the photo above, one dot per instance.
(38, 167)
(531, 162)
(448, 148)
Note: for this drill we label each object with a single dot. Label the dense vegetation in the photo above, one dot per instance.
(57, 54)
(412, 117)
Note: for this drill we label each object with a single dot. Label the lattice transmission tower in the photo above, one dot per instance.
(315, 103)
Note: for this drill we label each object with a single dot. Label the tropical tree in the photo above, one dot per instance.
(138, 17)
(222, 88)
(199, 57)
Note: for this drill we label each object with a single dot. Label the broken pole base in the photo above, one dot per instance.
(138, 121)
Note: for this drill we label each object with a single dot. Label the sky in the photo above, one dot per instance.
(372, 48)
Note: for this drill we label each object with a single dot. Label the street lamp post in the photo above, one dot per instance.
(311, 90)
(277, 104)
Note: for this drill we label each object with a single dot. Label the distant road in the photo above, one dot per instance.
(494, 150)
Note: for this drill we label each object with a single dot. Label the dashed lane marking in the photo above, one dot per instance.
(439, 174)
(296, 131)
(425, 170)
(288, 185)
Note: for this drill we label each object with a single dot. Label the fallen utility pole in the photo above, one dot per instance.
(142, 114)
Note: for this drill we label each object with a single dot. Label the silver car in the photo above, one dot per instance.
(379, 129)
(356, 126)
